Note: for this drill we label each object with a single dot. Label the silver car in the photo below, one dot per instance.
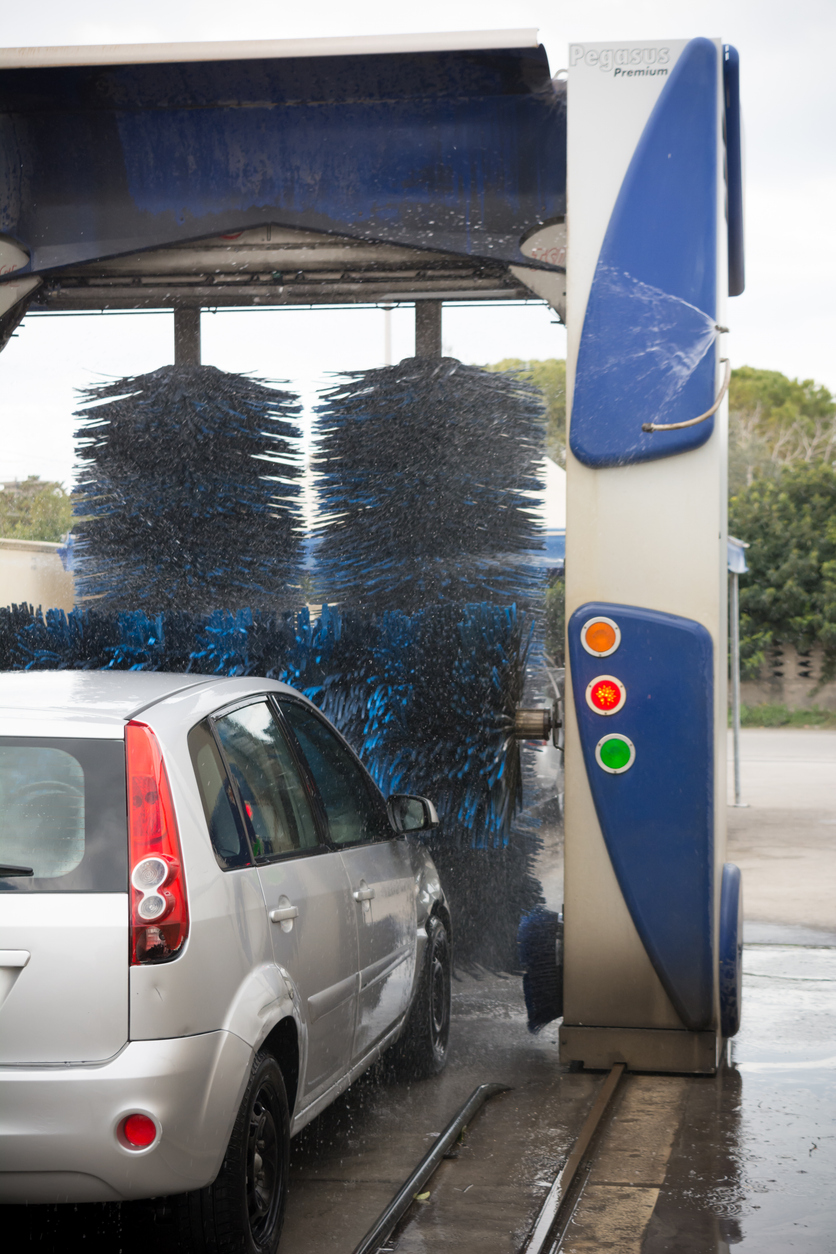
(211, 923)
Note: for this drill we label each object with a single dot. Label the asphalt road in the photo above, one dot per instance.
(784, 841)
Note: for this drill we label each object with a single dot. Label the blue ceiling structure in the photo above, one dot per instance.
(461, 151)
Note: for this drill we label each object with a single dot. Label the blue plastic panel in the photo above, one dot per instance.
(658, 816)
(456, 151)
(646, 349)
(730, 965)
(734, 170)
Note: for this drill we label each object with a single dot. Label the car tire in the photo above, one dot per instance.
(421, 1050)
(242, 1212)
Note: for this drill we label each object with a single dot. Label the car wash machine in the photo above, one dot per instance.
(454, 167)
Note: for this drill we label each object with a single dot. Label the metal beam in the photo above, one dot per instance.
(272, 265)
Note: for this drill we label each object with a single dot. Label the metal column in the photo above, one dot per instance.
(428, 328)
(187, 337)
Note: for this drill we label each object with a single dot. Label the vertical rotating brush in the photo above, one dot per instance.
(424, 475)
(540, 941)
(440, 722)
(189, 496)
(423, 471)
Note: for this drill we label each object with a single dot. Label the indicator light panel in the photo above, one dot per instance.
(657, 816)
(600, 636)
(605, 694)
(615, 754)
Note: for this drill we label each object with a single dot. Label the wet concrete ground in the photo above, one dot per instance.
(348, 1164)
(754, 1161)
(685, 1165)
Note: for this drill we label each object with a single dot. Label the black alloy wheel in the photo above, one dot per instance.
(421, 1050)
(265, 1167)
(440, 990)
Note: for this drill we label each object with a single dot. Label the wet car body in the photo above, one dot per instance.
(304, 941)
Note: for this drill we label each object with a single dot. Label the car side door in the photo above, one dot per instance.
(379, 866)
(304, 882)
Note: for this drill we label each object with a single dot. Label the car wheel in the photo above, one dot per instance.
(421, 1050)
(243, 1211)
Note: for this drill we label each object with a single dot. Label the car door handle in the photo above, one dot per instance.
(284, 915)
(18, 958)
(363, 894)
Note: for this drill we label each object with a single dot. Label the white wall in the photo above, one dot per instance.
(31, 571)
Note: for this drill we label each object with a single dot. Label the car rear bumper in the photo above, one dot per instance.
(58, 1125)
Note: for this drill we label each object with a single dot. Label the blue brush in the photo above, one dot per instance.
(189, 493)
(540, 942)
(426, 699)
(423, 471)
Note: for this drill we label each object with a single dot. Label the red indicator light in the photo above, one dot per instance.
(606, 694)
(138, 1131)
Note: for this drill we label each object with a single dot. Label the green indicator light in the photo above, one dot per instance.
(615, 754)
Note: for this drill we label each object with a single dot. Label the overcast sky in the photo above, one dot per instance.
(785, 321)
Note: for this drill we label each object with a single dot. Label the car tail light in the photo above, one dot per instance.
(159, 906)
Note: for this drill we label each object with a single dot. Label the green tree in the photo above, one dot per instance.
(550, 377)
(775, 422)
(35, 509)
(789, 597)
(554, 622)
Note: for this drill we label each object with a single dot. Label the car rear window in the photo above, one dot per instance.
(225, 828)
(63, 813)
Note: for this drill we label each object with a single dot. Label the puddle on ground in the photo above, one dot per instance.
(755, 1159)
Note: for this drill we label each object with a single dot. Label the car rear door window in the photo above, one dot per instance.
(270, 788)
(63, 814)
(226, 830)
(356, 814)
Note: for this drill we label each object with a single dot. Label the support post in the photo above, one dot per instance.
(186, 337)
(387, 335)
(428, 328)
(734, 624)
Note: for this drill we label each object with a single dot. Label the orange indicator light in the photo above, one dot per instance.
(606, 694)
(600, 636)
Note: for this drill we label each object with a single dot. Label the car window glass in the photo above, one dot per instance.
(260, 761)
(42, 803)
(354, 813)
(63, 814)
(226, 831)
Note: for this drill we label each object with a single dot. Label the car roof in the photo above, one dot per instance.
(105, 696)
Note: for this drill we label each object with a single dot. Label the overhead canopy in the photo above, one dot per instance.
(453, 150)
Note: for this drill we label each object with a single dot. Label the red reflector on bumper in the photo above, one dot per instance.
(138, 1131)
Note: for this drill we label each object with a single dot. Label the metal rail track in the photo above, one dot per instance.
(388, 1219)
(560, 1203)
(546, 1237)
